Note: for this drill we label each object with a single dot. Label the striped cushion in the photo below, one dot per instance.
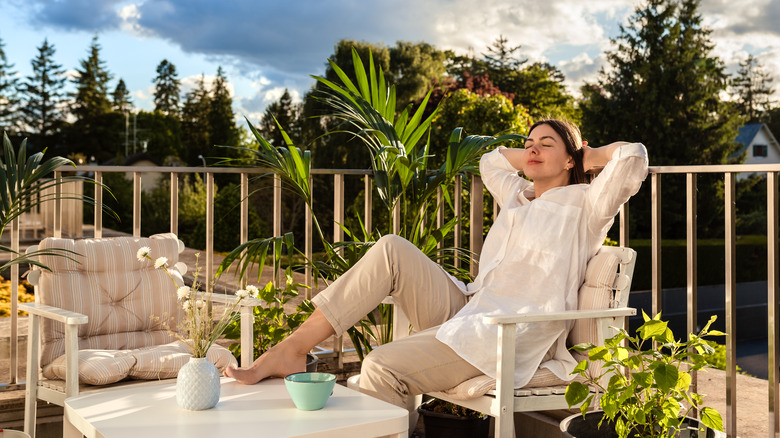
(96, 367)
(118, 293)
(165, 361)
(103, 367)
(596, 293)
(481, 385)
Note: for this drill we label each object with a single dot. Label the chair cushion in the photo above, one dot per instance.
(119, 294)
(96, 367)
(103, 367)
(165, 361)
(595, 293)
(481, 385)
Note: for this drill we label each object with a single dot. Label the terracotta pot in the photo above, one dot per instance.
(575, 426)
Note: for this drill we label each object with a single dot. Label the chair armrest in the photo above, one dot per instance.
(54, 313)
(230, 299)
(246, 322)
(559, 316)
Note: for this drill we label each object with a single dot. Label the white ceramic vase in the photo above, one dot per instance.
(197, 385)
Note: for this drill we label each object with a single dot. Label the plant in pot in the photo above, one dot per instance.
(447, 420)
(644, 385)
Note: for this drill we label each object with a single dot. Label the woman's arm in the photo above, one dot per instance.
(514, 156)
(598, 157)
(499, 173)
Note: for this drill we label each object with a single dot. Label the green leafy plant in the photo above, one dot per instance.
(645, 380)
(272, 323)
(25, 183)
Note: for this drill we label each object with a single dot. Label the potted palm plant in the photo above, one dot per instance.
(644, 386)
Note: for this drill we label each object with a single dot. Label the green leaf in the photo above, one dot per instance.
(599, 353)
(652, 329)
(711, 418)
(576, 393)
(582, 347)
(581, 367)
(665, 376)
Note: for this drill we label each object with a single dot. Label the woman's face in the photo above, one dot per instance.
(546, 157)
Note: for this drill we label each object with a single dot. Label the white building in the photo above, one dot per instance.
(758, 144)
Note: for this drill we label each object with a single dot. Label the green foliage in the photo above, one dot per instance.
(42, 92)
(753, 90)
(121, 97)
(162, 134)
(645, 379)
(25, 183)
(665, 88)
(91, 99)
(272, 322)
(167, 88)
(475, 113)
(8, 92)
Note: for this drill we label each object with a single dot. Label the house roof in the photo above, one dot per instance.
(748, 133)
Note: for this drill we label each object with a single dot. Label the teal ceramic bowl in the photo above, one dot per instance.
(310, 391)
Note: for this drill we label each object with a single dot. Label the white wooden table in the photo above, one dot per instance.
(264, 409)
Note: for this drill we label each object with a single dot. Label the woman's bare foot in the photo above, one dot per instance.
(288, 356)
(276, 362)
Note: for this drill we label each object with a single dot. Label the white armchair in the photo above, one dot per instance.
(92, 324)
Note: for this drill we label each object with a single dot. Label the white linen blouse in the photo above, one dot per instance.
(534, 260)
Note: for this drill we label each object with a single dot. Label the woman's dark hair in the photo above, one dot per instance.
(572, 139)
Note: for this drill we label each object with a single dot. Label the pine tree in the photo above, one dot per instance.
(501, 56)
(9, 100)
(167, 88)
(196, 131)
(43, 92)
(753, 90)
(91, 97)
(664, 89)
(288, 114)
(121, 97)
(221, 115)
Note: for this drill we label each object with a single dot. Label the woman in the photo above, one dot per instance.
(533, 260)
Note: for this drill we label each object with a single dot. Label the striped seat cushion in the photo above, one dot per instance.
(103, 367)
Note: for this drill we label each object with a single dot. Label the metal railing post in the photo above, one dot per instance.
(656, 242)
(174, 215)
(773, 298)
(730, 210)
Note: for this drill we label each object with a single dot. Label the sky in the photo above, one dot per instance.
(267, 46)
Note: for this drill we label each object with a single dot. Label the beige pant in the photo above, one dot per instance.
(418, 363)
